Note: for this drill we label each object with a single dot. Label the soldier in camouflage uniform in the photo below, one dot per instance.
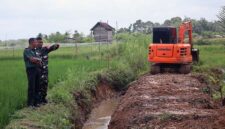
(43, 53)
(33, 63)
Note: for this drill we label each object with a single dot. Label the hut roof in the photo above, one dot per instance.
(104, 25)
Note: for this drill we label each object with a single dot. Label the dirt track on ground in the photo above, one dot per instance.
(168, 101)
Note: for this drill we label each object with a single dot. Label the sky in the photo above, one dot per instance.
(26, 18)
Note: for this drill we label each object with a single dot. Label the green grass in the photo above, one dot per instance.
(212, 56)
(212, 60)
(210, 41)
(12, 88)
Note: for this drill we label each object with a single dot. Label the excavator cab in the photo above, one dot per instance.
(169, 49)
(164, 35)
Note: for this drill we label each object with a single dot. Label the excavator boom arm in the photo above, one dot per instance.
(185, 27)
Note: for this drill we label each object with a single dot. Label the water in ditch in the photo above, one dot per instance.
(101, 115)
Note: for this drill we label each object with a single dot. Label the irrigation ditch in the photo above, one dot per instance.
(152, 101)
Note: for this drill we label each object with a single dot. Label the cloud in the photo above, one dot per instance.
(25, 18)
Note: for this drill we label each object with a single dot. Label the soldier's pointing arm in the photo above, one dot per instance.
(53, 47)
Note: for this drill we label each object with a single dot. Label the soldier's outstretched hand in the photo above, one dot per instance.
(57, 46)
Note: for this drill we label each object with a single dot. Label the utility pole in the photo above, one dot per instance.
(116, 31)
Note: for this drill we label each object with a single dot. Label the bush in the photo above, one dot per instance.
(202, 42)
(118, 77)
(215, 41)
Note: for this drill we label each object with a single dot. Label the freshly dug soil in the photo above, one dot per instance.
(167, 101)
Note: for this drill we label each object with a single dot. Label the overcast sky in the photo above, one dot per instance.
(26, 18)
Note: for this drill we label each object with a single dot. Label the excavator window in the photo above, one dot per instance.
(164, 35)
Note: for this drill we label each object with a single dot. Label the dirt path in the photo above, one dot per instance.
(167, 101)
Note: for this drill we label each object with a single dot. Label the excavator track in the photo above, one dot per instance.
(170, 68)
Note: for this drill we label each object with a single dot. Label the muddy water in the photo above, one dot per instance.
(101, 115)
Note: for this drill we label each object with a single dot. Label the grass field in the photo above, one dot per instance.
(70, 68)
(212, 56)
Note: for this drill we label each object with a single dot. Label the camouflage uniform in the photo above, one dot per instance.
(43, 52)
(33, 75)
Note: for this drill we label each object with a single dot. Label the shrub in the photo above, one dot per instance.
(118, 77)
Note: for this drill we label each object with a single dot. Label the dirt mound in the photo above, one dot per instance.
(167, 101)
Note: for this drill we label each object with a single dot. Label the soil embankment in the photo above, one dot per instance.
(168, 101)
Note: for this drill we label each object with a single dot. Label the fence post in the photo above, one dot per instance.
(99, 50)
(76, 49)
(108, 54)
(13, 51)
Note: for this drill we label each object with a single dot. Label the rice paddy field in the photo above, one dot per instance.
(212, 56)
(77, 64)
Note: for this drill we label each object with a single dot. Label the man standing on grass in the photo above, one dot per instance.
(33, 63)
(43, 53)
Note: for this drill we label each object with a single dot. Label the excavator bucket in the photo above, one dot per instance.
(195, 55)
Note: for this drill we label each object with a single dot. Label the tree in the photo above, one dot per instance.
(176, 21)
(148, 27)
(221, 17)
(123, 30)
(167, 23)
(130, 28)
(138, 26)
(142, 27)
(76, 35)
(56, 37)
(67, 34)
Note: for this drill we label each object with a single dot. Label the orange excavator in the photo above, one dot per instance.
(171, 51)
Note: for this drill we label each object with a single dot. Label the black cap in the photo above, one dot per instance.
(31, 40)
